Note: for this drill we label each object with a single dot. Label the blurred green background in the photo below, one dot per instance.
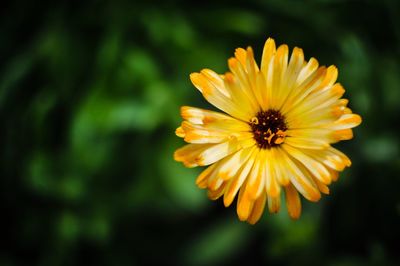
(89, 100)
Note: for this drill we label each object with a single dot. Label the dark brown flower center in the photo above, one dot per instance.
(268, 128)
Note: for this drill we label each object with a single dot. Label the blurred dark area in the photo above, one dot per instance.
(89, 100)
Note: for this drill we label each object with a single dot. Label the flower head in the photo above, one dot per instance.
(275, 133)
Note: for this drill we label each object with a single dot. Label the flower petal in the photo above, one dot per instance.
(317, 109)
(308, 70)
(268, 53)
(346, 121)
(256, 178)
(303, 90)
(307, 143)
(267, 69)
(278, 75)
(342, 134)
(258, 209)
(202, 179)
(279, 166)
(237, 182)
(199, 116)
(293, 203)
(322, 187)
(193, 155)
(253, 70)
(330, 157)
(218, 96)
(214, 132)
(245, 69)
(232, 166)
(241, 94)
(216, 194)
(221, 150)
(290, 76)
(316, 168)
(180, 132)
(300, 179)
(199, 135)
(188, 153)
(271, 183)
(274, 204)
(244, 205)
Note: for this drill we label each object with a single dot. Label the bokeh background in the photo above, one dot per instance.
(89, 100)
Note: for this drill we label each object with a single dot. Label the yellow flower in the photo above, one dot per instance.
(275, 134)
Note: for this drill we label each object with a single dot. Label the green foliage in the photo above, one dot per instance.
(89, 101)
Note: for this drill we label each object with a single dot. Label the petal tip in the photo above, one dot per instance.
(180, 132)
